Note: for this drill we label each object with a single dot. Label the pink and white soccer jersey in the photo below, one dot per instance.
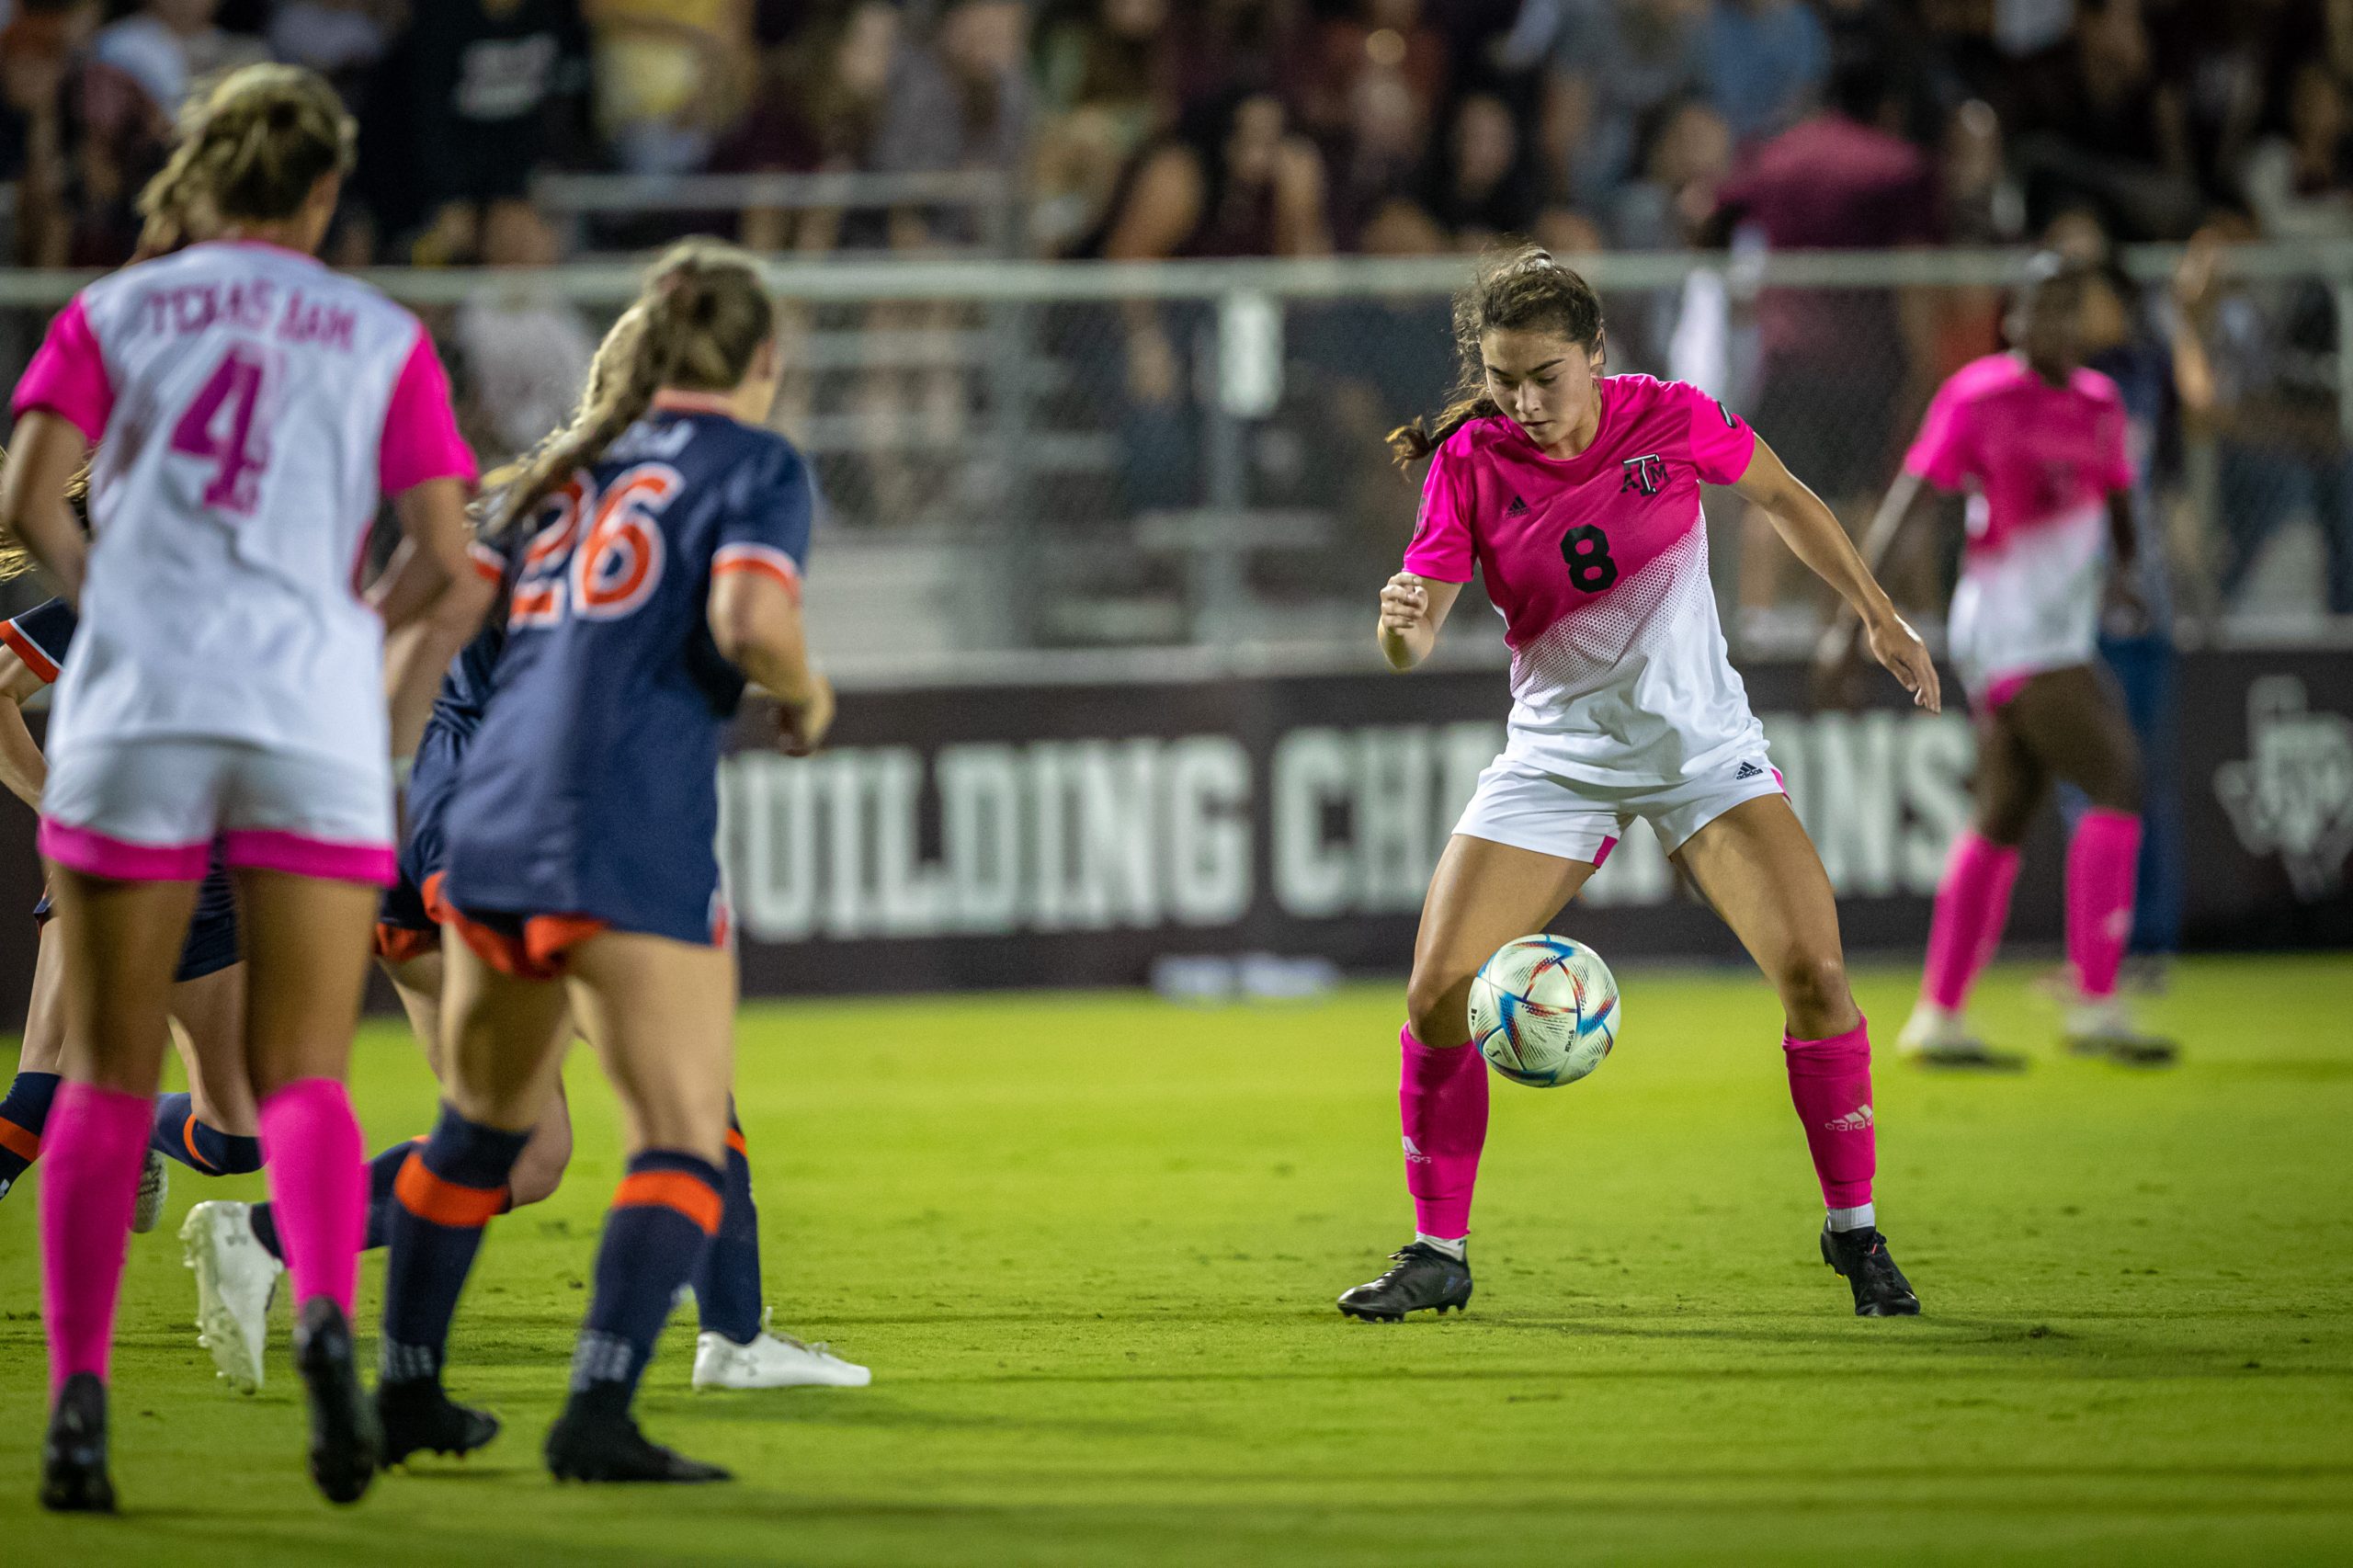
(2040, 463)
(1621, 684)
(250, 407)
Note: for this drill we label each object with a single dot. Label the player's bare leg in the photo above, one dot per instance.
(2078, 729)
(1757, 866)
(1483, 895)
(118, 941)
(306, 953)
(501, 1041)
(417, 982)
(1974, 901)
(662, 1015)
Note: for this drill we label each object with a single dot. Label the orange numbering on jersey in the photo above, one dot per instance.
(617, 567)
(599, 556)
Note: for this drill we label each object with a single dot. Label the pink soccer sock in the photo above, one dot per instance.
(2103, 863)
(1973, 903)
(1830, 1083)
(90, 1154)
(318, 1187)
(1442, 1103)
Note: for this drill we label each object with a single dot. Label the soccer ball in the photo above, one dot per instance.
(1544, 1010)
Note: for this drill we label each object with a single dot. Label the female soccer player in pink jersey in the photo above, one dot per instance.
(1577, 495)
(2039, 441)
(250, 408)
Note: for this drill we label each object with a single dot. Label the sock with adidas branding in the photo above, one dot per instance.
(1442, 1103)
(1830, 1084)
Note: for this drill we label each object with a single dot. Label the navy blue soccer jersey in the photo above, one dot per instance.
(590, 787)
(40, 638)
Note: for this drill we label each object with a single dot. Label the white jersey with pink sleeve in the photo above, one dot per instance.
(2039, 462)
(1598, 565)
(250, 408)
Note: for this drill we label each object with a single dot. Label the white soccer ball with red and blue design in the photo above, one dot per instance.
(1544, 1010)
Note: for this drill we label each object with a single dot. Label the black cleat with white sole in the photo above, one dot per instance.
(345, 1441)
(73, 1477)
(1965, 1056)
(418, 1417)
(596, 1439)
(1861, 1258)
(1422, 1279)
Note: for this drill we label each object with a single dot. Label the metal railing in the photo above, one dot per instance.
(1182, 461)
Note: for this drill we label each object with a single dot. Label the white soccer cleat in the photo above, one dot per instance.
(772, 1361)
(1937, 1036)
(154, 1185)
(234, 1280)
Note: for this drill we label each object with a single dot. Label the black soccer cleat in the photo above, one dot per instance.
(1861, 1257)
(599, 1444)
(417, 1416)
(2125, 1046)
(1424, 1278)
(73, 1477)
(345, 1441)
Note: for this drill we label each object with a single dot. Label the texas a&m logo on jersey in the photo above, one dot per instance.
(1646, 473)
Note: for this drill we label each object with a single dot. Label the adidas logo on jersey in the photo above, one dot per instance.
(1518, 508)
(1749, 770)
(1855, 1121)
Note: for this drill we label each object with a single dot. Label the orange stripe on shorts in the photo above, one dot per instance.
(440, 1202)
(17, 1141)
(671, 1190)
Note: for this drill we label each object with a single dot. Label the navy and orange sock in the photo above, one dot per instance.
(447, 1190)
(382, 1172)
(663, 1217)
(727, 1283)
(23, 1117)
(179, 1134)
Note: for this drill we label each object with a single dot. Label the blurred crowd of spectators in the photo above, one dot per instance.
(1244, 127)
(1138, 128)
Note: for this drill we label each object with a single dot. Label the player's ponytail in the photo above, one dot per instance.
(701, 316)
(1518, 290)
(253, 148)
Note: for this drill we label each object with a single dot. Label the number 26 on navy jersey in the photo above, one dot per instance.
(599, 556)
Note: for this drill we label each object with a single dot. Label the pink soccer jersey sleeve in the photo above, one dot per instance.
(1941, 453)
(421, 440)
(1441, 548)
(68, 375)
(1722, 441)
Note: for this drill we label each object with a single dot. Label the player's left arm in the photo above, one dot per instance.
(1813, 531)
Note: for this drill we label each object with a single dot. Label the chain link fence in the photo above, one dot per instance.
(1184, 461)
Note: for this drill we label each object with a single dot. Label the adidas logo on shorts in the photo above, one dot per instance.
(1518, 508)
(1749, 770)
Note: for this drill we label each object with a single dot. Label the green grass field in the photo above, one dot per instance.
(1090, 1243)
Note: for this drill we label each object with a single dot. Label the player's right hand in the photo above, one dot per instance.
(801, 726)
(1404, 603)
(1894, 644)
